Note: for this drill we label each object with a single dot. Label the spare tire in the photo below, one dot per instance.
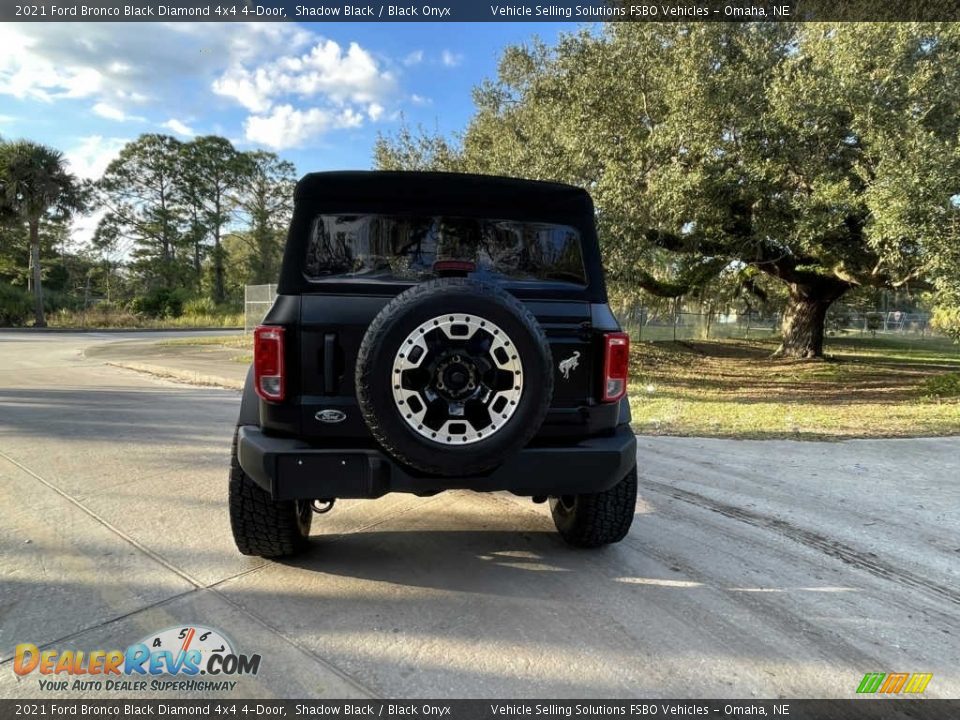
(453, 376)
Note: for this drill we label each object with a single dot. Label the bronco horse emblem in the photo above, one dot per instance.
(571, 363)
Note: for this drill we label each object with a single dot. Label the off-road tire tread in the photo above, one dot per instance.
(261, 526)
(381, 324)
(601, 518)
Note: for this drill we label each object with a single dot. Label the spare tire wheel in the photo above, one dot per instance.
(453, 376)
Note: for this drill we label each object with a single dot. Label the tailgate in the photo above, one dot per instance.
(332, 328)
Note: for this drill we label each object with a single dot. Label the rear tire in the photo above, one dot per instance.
(596, 519)
(262, 526)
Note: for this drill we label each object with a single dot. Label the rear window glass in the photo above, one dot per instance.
(384, 247)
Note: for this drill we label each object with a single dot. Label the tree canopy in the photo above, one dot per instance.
(171, 206)
(825, 156)
(180, 222)
(35, 186)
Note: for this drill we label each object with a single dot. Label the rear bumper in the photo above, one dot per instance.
(291, 469)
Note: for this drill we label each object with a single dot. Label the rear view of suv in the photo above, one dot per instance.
(435, 331)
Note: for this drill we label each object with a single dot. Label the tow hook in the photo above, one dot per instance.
(321, 506)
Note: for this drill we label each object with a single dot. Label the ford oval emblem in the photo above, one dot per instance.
(331, 416)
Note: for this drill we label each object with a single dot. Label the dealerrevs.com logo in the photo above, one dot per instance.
(171, 660)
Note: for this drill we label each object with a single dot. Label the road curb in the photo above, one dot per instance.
(184, 377)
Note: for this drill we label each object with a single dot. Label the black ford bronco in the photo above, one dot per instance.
(435, 331)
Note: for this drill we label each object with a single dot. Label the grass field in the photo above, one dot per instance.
(97, 318)
(868, 387)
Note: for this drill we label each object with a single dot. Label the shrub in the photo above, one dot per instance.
(102, 315)
(221, 319)
(16, 306)
(161, 303)
(55, 300)
(946, 319)
(943, 386)
(200, 306)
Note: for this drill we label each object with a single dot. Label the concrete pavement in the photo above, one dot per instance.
(754, 569)
(209, 365)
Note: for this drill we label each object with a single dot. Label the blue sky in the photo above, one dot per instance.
(317, 94)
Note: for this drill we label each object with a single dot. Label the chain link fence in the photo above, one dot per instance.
(880, 323)
(646, 324)
(257, 301)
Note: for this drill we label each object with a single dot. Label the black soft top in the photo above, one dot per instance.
(442, 193)
(436, 193)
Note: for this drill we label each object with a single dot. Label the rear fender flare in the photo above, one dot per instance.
(250, 403)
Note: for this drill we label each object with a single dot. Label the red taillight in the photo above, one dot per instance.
(466, 266)
(268, 362)
(616, 365)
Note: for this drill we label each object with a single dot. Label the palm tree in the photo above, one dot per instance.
(35, 185)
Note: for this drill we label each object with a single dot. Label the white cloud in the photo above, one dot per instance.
(111, 112)
(250, 89)
(5, 119)
(27, 72)
(420, 100)
(342, 85)
(159, 70)
(325, 71)
(130, 64)
(90, 158)
(450, 59)
(287, 127)
(414, 58)
(178, 127)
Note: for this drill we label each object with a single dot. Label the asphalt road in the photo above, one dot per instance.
(754, 569)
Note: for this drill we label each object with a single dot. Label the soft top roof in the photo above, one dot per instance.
(435, 193)
(441, 193)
